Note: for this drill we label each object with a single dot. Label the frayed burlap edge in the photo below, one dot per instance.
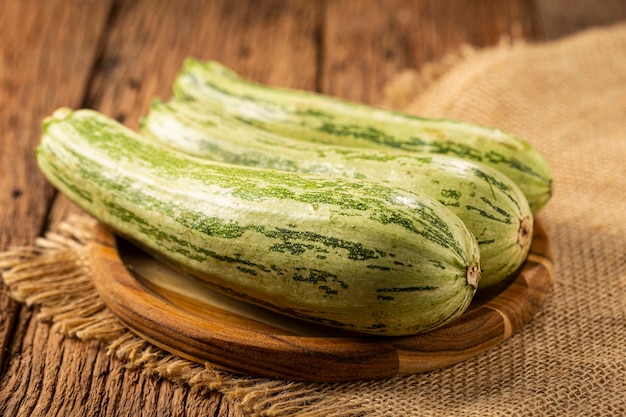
(54, 276)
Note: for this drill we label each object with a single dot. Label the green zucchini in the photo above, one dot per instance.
(356, 255)
(487, 201)
(324, 119)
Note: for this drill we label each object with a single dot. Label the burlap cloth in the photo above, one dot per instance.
(568, 98)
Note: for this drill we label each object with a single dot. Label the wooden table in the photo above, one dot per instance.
(115, 55)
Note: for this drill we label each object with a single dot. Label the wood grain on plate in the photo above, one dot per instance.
(181, 316)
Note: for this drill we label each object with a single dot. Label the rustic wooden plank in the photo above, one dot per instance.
(270, 41)
(367, 43)
(51, 375)
(563, 17)
(43, 65)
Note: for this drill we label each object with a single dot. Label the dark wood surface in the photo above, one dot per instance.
(114, 55)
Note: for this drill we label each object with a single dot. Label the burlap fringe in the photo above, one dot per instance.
(54, 276)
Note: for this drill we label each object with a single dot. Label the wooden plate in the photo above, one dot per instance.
(184, 317)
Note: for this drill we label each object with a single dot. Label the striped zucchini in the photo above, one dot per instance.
(351, 254)
(323, 119)
(488, 202)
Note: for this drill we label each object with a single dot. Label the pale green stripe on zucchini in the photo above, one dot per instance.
(488, 202)
(351, 254)
(323, 119)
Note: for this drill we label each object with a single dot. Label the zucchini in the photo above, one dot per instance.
(323, 119)
(488, 202)
(356, 255)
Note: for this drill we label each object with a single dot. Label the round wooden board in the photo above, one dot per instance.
(181, 316)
